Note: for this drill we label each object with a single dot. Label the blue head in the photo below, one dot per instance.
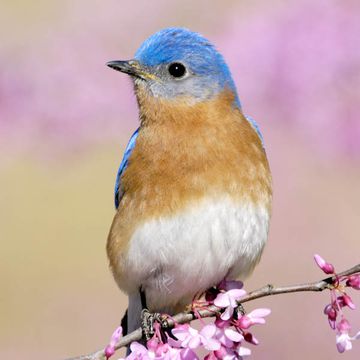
(177, 62)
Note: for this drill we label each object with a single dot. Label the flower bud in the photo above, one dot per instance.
(326, 267)
(330, 312)
(343, 326)
(244, 322)
(354, 282)
(348, 301)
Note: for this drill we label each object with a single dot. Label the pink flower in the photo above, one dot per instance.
(254, 317)
(138, 351)
(187, 354)
(188, 336)
(110, 348)
(192, 338)
(228, 337)
(211, 356)
(243, 351)
(225, 353)
(354, 282)
(220, 323)
(184, 354)
(228, 301)
(331, 313)
(250, 338)
(326, 267)
(233, 335)
(345, 300)
(343, 339)
(156, 350)
(230, 285)
(208, 339)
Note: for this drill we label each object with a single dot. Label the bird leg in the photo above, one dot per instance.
(240, 311)
(149, 321)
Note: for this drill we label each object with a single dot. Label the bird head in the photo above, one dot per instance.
(176, 62)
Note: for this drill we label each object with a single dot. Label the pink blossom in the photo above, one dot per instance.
(110, 348)
(220, 323)
(192, 338)
(326, 267)
(228, 336)
(188, 336)
(345, 300)
(353, 281)
(228, 301)
(230, 285)
(254, 317)
(343, 339)
(225, 353)
(331, 313)
(159, 351)
(185, 354)
(211, 356)
(138, 351)
(208, 339)
(243, 351)
(250, 338)
(233, 335)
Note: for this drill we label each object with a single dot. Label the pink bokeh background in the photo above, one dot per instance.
(64, 121)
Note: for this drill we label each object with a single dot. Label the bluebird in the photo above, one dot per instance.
(193, 191)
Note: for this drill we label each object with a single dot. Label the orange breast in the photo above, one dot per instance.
(184, 153)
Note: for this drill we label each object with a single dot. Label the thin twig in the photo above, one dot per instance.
(211, 311)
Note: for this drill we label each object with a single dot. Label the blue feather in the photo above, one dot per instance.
(124, 162)
(180, 44)
(255, 125)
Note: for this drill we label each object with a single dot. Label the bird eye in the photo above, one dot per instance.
(177, 70)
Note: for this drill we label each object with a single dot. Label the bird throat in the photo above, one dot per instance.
(183, 109)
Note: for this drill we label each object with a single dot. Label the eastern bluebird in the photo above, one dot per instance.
(193, 191)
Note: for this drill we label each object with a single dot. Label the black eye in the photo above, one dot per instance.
(177, 70)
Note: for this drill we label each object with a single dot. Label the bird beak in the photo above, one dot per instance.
(131, 67)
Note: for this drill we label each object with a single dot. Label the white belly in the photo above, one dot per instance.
(173, 258)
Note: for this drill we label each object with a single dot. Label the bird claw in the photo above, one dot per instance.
(240, 311)
(148, 321)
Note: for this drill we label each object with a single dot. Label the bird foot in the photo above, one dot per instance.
(149, 321)
(240, 311)
(196, 306)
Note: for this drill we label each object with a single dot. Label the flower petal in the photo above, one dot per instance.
(243, 351)
(227, 314)
(181, 332)
(231, 284)
(259, 313)
(222, 300)
(233, 335)
(138, 348)
(208, 331)
(195, 342)
(326, 267)
(236, 293)
(211, 344)
(343, 343)
(188, 354)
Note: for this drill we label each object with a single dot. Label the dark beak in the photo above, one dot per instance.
(130, 67)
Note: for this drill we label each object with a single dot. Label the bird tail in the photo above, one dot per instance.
(132, 318)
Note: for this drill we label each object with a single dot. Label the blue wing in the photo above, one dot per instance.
(256, 127)
(124, 162)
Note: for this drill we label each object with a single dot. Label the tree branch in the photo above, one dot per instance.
(212, 310)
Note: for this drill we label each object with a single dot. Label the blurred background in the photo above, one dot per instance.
(65, 119)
